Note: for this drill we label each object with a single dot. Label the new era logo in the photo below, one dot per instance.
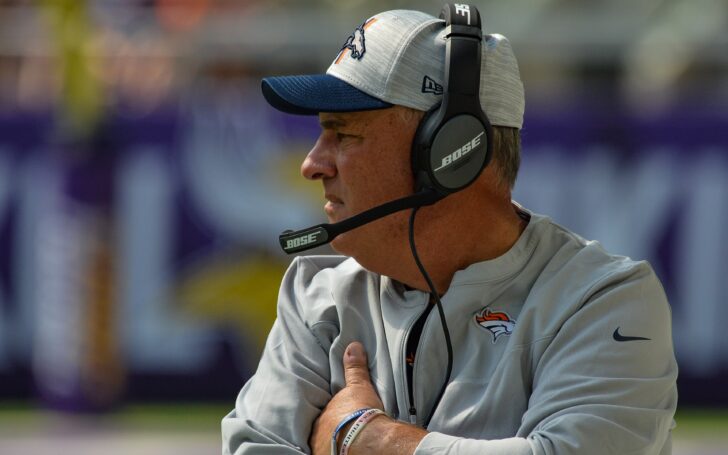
(430, 86)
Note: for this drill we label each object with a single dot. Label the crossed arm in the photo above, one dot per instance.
(386, 436)
(382, 435)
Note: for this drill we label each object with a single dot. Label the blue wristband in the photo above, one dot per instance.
(342, 424)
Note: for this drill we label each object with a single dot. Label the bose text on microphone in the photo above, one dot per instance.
(311, 237)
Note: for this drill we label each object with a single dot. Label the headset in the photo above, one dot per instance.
(451, 147)
(452, 144)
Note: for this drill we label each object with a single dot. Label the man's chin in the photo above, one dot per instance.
(341, 245)
(350, 244)
(375, 235)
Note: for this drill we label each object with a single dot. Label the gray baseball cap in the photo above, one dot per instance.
(398, 57)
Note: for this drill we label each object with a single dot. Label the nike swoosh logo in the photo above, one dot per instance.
(619, 337)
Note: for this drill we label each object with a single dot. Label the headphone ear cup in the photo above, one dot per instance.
(448, 156)
(459, 152)
(421, 146)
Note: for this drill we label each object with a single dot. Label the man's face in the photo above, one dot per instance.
(363, 160)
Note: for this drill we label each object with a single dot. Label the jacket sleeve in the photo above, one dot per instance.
(276, 408)
(595, 391)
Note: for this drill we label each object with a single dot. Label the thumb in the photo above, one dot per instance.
(356, 370)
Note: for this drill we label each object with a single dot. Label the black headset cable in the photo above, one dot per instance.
(436, 296)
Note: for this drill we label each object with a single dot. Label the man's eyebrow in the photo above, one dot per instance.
(332, 123)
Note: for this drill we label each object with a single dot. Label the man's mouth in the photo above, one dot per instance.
(333, 198)
(333, 204)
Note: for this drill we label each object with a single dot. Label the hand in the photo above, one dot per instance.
(358, 393)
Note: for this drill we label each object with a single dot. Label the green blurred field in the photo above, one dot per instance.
(142, 417)
(182, 429)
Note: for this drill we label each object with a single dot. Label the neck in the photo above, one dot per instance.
(481, 230)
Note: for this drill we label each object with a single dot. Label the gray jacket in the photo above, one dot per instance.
(545, 355)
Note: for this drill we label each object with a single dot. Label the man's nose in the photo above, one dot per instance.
(319, 163)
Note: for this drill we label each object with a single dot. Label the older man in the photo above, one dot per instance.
(541, 343)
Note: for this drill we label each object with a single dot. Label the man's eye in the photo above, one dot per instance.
(342, 136)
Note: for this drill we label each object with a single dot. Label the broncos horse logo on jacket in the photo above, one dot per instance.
(497, 322)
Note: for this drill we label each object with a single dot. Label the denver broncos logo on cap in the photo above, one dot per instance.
(355, 42)
(497, 322)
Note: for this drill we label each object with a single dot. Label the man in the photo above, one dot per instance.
(557, 346)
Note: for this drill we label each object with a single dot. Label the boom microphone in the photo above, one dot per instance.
(321, 234)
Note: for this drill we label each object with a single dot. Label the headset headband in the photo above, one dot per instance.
(463, 36)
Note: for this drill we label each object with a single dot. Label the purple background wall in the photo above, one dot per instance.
(143, 264)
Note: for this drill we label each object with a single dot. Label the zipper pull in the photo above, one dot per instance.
(413, 415)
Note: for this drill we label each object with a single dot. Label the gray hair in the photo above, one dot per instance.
(507, 154)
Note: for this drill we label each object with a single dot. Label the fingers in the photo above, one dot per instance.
(356, 370)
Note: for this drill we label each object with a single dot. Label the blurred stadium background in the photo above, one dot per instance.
(143, 182)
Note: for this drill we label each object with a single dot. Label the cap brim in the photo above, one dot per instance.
(311, 94)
